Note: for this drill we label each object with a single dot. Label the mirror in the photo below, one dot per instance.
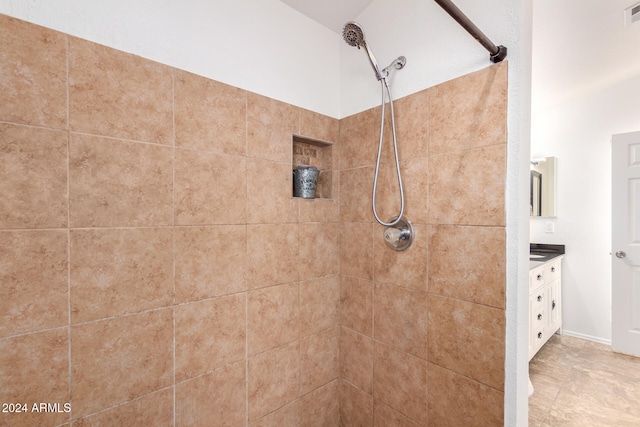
(542, 189)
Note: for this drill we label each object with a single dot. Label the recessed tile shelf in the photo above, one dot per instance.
(313, 152)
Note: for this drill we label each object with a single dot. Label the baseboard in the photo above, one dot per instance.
(586, 337)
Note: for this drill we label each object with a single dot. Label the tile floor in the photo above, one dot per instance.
(583, 383)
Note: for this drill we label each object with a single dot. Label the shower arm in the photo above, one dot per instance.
(497, 53)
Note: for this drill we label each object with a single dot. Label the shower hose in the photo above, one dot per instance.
(385, 84)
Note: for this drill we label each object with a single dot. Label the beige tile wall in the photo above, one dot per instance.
(422, 331)
(156, 270)
(154, 266)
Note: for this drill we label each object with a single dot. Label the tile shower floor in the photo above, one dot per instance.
(583, 383)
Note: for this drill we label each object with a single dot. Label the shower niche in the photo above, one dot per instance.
(314, 152)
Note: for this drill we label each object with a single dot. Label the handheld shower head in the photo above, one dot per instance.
(353, 35)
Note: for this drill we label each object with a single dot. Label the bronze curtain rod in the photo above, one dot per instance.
(496, 53)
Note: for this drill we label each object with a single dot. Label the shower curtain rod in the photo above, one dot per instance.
(497, 53)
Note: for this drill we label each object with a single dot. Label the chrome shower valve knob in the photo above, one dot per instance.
(393, 235)
(399, 237)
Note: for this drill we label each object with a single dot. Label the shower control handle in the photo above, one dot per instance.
(400, 236)
(621, 254)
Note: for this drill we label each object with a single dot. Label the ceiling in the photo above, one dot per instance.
(331, 13)
(581, 47)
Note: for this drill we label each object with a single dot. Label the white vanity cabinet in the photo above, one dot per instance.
(545, 308)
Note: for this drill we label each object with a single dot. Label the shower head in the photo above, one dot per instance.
(353, 35)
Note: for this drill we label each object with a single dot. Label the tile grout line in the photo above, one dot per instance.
(135, 313)
(299, 276)
(246, 356)
(373, 317)
(246, 259)
(427, 237)
(68, 228)
(173, 235)
(335, 176)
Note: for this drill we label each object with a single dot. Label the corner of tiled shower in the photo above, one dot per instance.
(156, 269)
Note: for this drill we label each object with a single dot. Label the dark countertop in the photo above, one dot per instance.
(539, 253)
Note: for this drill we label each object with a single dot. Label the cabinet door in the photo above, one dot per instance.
(554, 307)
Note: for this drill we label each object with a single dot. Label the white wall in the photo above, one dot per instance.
(520, 15)
(436, 47)
(266, 47)
(263, 46)
(579, 135)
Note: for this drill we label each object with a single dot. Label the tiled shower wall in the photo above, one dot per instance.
(155, 268)
(422, 331)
